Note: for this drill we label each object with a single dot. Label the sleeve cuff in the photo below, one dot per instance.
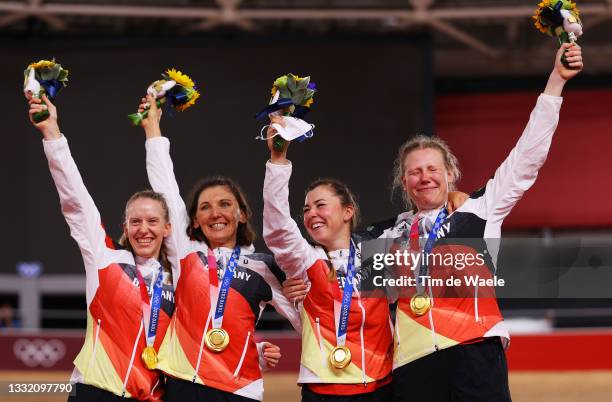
(155, 140)
(60, 142)
(277, 166)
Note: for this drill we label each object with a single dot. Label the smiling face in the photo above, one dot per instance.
(146, 227)
(327, 221)
(218, 215)
(426, 178)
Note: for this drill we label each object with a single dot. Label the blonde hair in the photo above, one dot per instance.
(155, 196)
(423, 142)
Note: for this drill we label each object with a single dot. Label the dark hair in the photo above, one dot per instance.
(346, 197)
(245, 235)
(341, 191)
(155, 196)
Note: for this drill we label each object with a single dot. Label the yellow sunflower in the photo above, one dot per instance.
(537, 23)
(309, 102)
(42, 64)
(180, 78)
(568, 5)
(192, 100)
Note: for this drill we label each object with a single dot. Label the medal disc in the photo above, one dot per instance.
(340, 357)
(217, 339)
(420, 304)
(149, 357)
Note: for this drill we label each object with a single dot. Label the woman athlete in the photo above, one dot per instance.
(222, 285)
(129, 290)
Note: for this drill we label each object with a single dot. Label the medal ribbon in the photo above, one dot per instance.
(228, 275)
(431, 239)
(153, 304)
(346, 298)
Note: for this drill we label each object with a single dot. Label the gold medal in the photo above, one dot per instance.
(217, 339)
(149, 357)
(420, 304)
(340, 357)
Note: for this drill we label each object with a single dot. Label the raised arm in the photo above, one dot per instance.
(280, 232)
(160, 171)
(78, 207)
(520, 169)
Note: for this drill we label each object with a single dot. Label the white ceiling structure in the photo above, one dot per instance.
(470, 36)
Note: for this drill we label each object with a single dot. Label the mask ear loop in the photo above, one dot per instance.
(310, 133)
(261, 135)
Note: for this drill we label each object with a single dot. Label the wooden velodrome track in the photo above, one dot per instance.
(567, 386)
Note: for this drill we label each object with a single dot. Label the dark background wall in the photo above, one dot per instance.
(374, 92)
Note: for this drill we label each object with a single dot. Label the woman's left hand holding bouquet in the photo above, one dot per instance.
(48, 127)
(150, 124)
(176, 90)
(45, 77)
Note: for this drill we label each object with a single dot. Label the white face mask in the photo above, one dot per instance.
(293, 128)
(159, 88)
(31, 87)
(570, 24)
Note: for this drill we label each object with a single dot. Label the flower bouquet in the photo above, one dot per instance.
(44, 77)
(176, 90)
(559, 18)
(292, 97)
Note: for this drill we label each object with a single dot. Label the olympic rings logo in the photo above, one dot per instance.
(39, 352)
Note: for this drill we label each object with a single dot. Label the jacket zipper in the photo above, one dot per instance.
(244, 350)
(131, 365)
(95, 347)
(320, 341)
(400, 353)
(361, 337)
(197, 368)
(434, 336)
(154, 386)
